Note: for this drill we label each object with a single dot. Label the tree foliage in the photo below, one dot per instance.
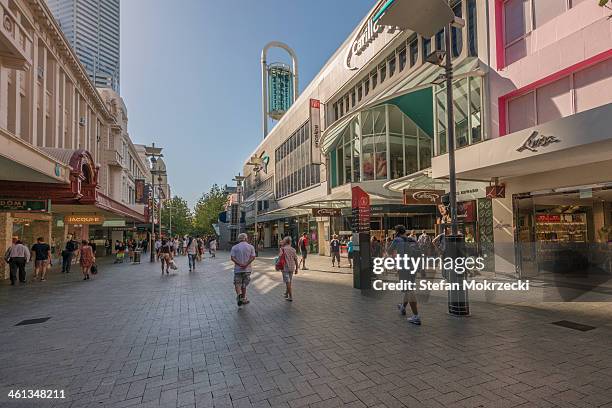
(207, 209)
(182, 219)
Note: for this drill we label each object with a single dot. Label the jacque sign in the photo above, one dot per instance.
(83, 219)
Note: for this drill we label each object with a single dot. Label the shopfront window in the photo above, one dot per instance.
(467, 102)
(378, 144)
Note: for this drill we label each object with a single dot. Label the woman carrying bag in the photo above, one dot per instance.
(87, 258)
(287, 262)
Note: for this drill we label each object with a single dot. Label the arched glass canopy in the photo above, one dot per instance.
(380, 143)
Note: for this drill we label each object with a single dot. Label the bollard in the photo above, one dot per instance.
(458, 302)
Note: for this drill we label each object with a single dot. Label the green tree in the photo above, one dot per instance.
(207, 209)
(182, 219)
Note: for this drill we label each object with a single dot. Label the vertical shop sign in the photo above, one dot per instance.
(315, 130)
(361, 210)
(139, 187)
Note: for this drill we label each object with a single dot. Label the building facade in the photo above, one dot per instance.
(67, 165)
(530, 79)
(92, 29)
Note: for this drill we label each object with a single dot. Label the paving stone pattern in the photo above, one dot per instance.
(131, 338)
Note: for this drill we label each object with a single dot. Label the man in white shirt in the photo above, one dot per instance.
(242, 254)
(17, 256)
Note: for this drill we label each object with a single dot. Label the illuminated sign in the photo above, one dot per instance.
(83, 219)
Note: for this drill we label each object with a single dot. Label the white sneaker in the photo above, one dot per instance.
(416, 320)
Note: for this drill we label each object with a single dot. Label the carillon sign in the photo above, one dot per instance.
(364, 37)
(430, 197)
(83, 219)
(326, 212)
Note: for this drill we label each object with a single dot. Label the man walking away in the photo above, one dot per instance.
(291, 265)
(192, 252)
(68, 253)
(405, 245)
(213, 247)
(349, 251)
(17, 257)
(42, 258)
(303, 245)
(243, 255)
(334, 246)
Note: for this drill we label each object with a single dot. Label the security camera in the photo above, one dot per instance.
(436, 57)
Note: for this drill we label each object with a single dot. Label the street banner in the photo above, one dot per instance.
(423, 197)
(315, 131)
(139, 186)
(326, 212)
(361, 210)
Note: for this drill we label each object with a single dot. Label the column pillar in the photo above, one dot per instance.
(6, 235)
(267, 235)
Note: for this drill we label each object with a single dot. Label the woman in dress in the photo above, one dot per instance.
(87, 258)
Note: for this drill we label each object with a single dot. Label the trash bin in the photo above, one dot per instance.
(136, 257)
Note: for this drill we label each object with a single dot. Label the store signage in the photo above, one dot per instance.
(118, 229)
(466, 211)
(83, 219)
(543, 218)
(430, 197)
(139, 187)
(364, 37)
(361, 210)
(315, 131)
(14, 204)
(498, 191)
(326, 212)
(586, 193)
(535, 141)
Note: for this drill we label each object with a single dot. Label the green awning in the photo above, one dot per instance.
(418, 106)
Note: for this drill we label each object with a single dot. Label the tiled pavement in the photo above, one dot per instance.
(133, 338)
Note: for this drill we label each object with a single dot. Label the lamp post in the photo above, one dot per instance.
(154, 153)
(426, 17)
(239, 179)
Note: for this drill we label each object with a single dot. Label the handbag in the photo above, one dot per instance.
(94, 269)
(7, 255)
(279, 264)
(173, 265)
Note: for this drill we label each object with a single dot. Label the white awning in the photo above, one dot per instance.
(425, 17)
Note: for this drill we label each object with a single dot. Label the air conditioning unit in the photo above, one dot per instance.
(82, 121)
(41, 72)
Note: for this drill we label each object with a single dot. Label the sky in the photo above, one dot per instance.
(191, 80)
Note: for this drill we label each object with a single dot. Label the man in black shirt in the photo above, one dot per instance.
(71, 247)
(42, 258)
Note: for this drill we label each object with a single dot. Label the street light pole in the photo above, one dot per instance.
(152, 240)
(450, 129)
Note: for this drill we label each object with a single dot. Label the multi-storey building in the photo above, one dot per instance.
(532, 99)
(67, 165)
(92, 29)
